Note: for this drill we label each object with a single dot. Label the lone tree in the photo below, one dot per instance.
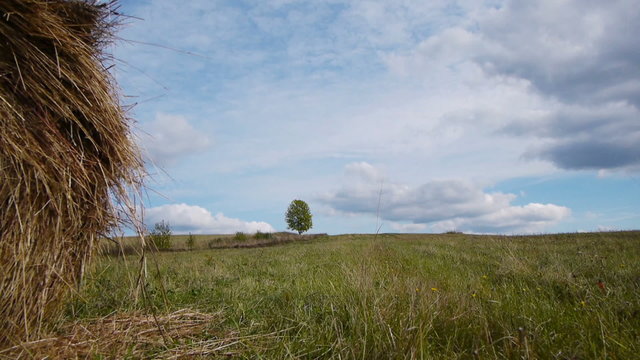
(299, 216)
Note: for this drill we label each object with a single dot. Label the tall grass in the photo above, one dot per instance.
(573, 296)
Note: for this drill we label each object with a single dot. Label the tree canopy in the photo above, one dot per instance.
(298, 216)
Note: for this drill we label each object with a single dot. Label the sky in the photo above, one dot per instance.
(509, 117)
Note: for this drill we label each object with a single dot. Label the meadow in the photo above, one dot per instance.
(390, 296)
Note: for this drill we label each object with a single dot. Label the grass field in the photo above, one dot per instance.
(567, 296)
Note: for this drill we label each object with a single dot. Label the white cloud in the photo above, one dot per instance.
(171, 137)
(604, 228)
(408, 228)
(318, 71)
(572, 59)
(185, 218)
(443, 204)
(529, 218)
(578, 51)
(363, 170)
(300, 67)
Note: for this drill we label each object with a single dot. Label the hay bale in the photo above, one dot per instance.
(66, 156)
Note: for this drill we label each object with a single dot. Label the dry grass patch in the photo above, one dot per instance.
(181, 334)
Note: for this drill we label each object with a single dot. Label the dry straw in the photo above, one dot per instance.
(184, 334)
(67, 160)
(129, 335)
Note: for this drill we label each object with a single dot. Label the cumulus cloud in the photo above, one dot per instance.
(579, 57)
(185, 218)
(408, 228)
(441, 204)
(579, 51)
(580, 137)
(583, 54)
(529, 218)
(363, 170)
(171, 137)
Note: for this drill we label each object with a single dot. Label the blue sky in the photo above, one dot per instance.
(487, 117)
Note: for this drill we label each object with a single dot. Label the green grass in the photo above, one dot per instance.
(401, 296)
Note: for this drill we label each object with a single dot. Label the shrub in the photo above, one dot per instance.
(261, 235)
(191, 241)
(161, 235)
(240, 236)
